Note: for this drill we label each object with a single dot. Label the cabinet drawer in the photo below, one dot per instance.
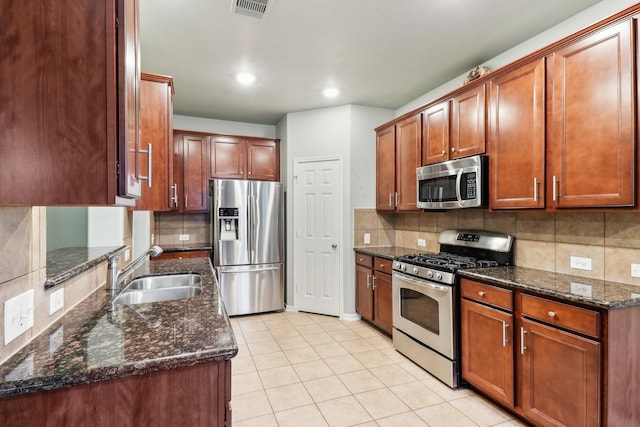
(382, 264)
(481, 292)
(563, 315)
(364, 259)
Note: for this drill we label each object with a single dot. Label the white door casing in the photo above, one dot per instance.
(318, 219)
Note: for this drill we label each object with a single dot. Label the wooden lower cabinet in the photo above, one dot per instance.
(487, 350)
(198, 395)
(373, 290)
(204, 253)
(560, 379)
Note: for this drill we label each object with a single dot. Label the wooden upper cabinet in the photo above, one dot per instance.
(228, 157)
(156, 118)
(468, 123)
(408, 158)
(191, 171)
(241, 158)
(69, 102)
(263, 160)
(385, 168)
(591, 137)
(517, 138)
(435, 133)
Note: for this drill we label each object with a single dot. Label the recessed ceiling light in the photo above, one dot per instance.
(246, 78)
(331, 92)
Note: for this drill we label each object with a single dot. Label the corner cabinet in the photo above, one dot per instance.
(191, 172)
(592, 149)
(243, 158)
(373, 290)
(70, 81)
(398, 154)
(517, 138)
(156, 140)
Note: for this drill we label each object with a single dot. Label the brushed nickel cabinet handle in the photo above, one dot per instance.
(522, 346)
(368, 280)
(149, 154)
(390, 200)
(396, 198)
(535, 189)
(174, 199)
(504, 334)
(374, 283)
(553, 188)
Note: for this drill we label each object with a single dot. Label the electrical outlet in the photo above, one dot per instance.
(422, 242)
(580, 263)
(635, 295)
(18, 316)
(183, 237)
(635, 270)
(367, 238)
(127, 254)
(56, 301)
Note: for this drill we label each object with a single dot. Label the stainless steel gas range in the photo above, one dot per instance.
(426, 320)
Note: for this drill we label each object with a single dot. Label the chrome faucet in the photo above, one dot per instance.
(114, 276)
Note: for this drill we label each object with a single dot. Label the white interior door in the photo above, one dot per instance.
(317, 239)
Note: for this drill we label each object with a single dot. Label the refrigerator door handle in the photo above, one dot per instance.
(247, 268)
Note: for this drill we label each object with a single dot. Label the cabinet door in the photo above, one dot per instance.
(468, 123)
(228, 157)
(516, 138)
(382, 301)
(487, 350)
(560, 377)
(364, 293)
(156, 112)
(592, 121)
(129, 100)
(385, 169)
(408, 158)
(435, 134)
(195, 176)
(263, 160)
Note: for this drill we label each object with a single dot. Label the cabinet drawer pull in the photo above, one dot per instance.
(360, 259)
(481, 293)
(522, 346)
(552, 314)
(381, 265)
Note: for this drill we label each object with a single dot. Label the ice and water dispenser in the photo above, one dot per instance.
(228, 226)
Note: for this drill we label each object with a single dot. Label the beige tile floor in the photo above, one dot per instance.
(300, 369)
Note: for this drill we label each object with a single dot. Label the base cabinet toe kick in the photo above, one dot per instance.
(551, 362)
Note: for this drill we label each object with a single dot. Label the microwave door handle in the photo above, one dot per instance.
(458, 181)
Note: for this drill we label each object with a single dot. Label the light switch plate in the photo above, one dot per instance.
(367, 238)
(56, 301)
(580, 263)
(18, 315)
(183, 237)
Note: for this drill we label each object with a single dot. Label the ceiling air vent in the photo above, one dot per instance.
(255, 8)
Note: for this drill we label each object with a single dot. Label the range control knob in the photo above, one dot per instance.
(403, 267)
(415, 270)
(429, 274)
(438, 276)
(397, 265)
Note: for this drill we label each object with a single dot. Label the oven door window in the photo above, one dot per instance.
(441, 189)
(420, 309)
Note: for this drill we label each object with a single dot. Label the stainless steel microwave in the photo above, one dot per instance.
(459, 183)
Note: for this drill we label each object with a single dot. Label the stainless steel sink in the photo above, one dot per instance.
(165, 281)
(144, 296)
(169, 287)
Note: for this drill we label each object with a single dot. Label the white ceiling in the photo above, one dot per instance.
(380, 53)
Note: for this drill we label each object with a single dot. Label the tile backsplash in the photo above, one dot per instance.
(544, 240)
(169, 226)
(23, 258)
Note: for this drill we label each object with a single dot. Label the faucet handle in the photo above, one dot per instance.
(113, 258)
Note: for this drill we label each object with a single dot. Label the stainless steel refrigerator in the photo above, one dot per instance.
(247, 235)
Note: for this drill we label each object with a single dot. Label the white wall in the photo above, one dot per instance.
(596, 13)
(200, 124)
(106, 226)
(347, 132)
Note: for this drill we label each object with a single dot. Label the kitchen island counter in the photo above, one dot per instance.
(95, 342)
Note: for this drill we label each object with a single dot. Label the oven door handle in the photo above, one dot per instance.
(458, 181)
(422, 283)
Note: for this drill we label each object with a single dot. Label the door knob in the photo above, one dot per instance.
(334, 246)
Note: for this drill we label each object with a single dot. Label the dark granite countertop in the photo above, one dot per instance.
(191, 247)
(387, 252)
(65, 263)
(593, 292)
(93, 342)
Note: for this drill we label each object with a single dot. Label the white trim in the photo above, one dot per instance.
(350, 317)
(340, 159)
(291, 308)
